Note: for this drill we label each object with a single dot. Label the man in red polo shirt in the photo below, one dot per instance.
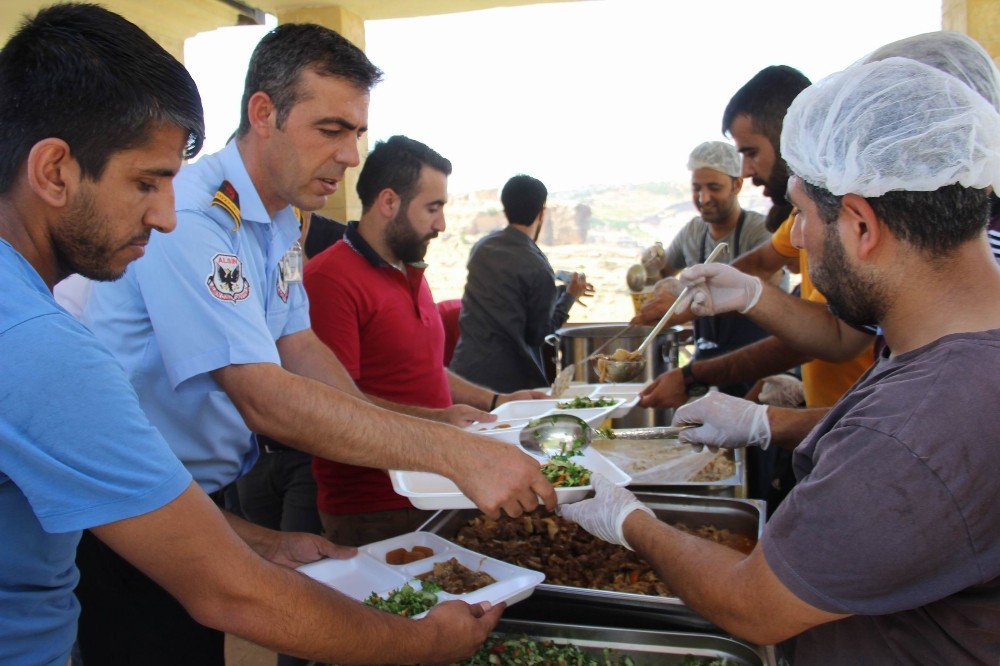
(370, 303)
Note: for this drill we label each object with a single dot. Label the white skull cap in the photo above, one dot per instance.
(717, 155)
(952, 53)
(893, 124)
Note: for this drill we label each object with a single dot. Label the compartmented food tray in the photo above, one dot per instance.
(744, 517)
(643, 647)
(433, 491)
(368, 571)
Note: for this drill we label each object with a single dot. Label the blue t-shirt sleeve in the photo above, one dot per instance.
(870, 530)
(200, 324)
(73, 437)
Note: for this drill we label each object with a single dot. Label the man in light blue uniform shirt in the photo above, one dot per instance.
(82, 188)
(212, 328)
(210, 295)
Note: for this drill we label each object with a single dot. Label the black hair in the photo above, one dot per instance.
(83, 74)
(280, 58)
(936, 222)
(523, 198)
(765, 100)
(395, 164)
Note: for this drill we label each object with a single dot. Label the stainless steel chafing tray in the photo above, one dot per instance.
(737, 515)
(645, 648)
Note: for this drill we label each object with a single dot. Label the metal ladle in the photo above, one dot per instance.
(624, 371)
(558, 434)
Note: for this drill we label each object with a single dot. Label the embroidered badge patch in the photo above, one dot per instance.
(282, 285)
(226, 281)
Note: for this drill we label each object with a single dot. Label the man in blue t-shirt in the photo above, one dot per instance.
(95, 121)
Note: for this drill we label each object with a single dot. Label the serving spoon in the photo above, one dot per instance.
(559, 434)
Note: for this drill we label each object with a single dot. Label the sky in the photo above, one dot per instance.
(578, 94)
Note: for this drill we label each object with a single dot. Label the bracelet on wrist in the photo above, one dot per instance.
(493, 402)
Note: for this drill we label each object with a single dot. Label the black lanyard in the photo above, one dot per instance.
(711, 323)
(735, 251)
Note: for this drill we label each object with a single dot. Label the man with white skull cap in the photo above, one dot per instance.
(886, 550)
(715, 185)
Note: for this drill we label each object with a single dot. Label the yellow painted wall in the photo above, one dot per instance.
(980, 19)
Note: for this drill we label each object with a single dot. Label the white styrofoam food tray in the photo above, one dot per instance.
(512, 416)
(368, 571)
(433, 491)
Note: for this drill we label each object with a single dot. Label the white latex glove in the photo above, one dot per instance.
(782, 391)
(604, 514)
(718, 288)
(653, 259)
(727, 422)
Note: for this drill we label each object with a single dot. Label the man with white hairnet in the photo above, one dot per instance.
(886, 550)
(715, 187)
(810, 327)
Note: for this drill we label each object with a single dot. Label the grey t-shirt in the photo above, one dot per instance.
(691, 246)
(896, 515)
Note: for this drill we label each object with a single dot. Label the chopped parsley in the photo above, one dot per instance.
(583, 402)
(407, 600)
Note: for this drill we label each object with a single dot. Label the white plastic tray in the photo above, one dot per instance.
(368, 572)
(512, 416)
(433, 491)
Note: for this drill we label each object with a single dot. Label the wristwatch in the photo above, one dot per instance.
(692, 386)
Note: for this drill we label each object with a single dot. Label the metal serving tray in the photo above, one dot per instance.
(646, 648)
(738, 515)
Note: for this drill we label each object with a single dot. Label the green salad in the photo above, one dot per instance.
(563, 473)
(407, 600)
(501, 651)
(606, 433)
(583, 402)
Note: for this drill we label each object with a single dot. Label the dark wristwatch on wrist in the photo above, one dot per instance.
(692, 386)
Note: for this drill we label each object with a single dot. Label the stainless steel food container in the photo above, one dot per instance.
(738, 515)
(646, 648)
(581, 340)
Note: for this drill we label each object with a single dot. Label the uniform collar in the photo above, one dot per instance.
(357, 242)
(251, 206)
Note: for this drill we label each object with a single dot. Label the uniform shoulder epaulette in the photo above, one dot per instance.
(228, 199)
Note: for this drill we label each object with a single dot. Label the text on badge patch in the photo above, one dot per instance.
(226, 281)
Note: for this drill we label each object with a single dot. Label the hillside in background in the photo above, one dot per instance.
(599, 230)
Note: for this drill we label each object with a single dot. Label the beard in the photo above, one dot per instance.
(851, 296)
(777, 184)
(83, 242)
(404, 241)
(717, 212)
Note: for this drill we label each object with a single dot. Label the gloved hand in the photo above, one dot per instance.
(718, 288)
(654, 259)
(604, 514)
(727, 422)
(782, 391)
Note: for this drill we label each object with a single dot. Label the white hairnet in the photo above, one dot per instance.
(717, 155)
(952, 53)
(895, 124)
